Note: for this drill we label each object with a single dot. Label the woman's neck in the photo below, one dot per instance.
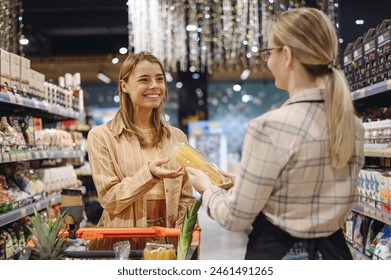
(142, 118)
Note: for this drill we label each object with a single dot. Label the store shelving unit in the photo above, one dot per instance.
(37, 155)
(373, 212)
(376, 95)
(14, 104)
(27, 210)
(372, 90)
(357, 255)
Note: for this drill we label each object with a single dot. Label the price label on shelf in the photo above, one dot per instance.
(23, 212)
(21, 156)
(14, 157)
(367, 211)
(362, 92)
(36, 103)
(28, 155)
(19, 100)
(12, 98)
(37, 155)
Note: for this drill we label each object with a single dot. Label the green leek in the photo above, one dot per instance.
(187, 229)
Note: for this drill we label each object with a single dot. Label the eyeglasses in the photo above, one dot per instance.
(265, 52)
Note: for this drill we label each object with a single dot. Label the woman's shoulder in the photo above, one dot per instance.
(98, 130)
(276, 115)
(176, 133)
(174, 129)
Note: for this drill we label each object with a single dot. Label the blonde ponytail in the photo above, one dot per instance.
(340, 121)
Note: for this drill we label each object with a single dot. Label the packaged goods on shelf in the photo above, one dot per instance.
(5, 76)
(15, 72)
(24, 76)
(384, 50)
(358, 66)
(370, 57)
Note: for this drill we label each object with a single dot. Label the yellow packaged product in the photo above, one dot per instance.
(154, 251)
(187, 156)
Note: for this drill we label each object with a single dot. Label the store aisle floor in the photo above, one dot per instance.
(218, 243)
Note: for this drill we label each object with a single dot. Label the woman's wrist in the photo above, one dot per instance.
(150, 171)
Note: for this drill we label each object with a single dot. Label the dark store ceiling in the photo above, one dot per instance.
(84, 35)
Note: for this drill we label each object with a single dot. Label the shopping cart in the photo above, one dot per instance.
(72, 209)
(142, 233)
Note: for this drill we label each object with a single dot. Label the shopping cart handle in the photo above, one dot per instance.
(104, 232)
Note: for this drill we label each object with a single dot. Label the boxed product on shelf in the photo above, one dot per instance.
(384, 49)
(40, 81)
(370, 57)
(24, 76)
(347, 63)
(38, 134)
(14, 72)
(373, 187)
(384, 192)
(33, 84)
(373, 229)
(383, 247)
(5, 81)
(361, 185)
(360, 230)
(358, 66)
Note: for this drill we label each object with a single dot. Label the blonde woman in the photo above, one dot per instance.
(137, 185)
(297, 179)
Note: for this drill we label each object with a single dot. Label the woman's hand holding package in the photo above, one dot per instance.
(159, 172)
(228, 175)
(198, 179)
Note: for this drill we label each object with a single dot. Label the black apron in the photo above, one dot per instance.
(269, 242)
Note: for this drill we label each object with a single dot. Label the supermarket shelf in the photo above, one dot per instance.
(374, 213)
(378, 152)
(36, 155)
(40, 108)
(357, 255)
(27, 210)
(371, 90)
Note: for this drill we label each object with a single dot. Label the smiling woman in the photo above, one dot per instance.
(146, 87)
(137, 185)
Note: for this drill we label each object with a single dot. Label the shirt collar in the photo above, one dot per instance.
(116, 125)
(306, 95)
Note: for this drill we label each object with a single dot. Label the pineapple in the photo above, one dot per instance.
(48, 246)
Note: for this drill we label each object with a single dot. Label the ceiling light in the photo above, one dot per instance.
(103, 77)
(359, 21)
(191, 27)
(123, 50)
(169, 77)
(245, 74)
(115, 60)
(237, 87)
(23, 40)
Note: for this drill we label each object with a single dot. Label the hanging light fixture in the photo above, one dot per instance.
(207, 35)
(103, 77)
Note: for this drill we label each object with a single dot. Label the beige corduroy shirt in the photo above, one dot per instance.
(122, 177)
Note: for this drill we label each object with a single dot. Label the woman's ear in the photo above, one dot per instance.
(287, 56)
(123, 86)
